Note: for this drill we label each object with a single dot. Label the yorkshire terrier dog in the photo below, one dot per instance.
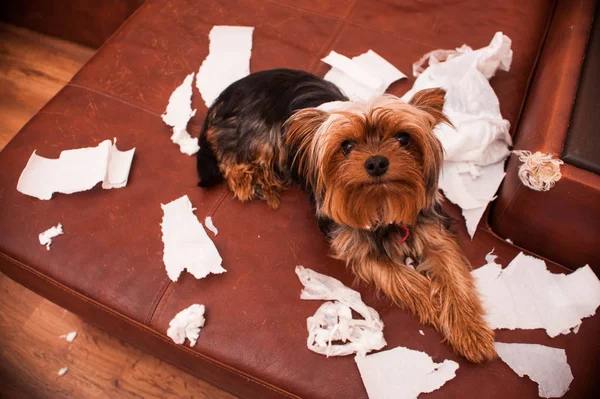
(372, 172)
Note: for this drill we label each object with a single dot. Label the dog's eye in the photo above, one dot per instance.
(403, 138)
(347, 146)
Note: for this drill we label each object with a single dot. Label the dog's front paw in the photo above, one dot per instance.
(473, 340)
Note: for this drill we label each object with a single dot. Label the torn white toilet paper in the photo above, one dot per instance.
(47, 236)
(526, 295)
(363, 77)
(187, 324)
(228, 60)
(76, 170)
(402, 373)
(546, 366)
(178, 114)
(209, 225)
(187, 246)
(70, 337)
(475, 150)
(333, 321)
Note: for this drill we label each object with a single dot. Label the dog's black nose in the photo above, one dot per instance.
(377, 165)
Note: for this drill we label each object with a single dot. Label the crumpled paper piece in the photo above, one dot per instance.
(363, 77)
(546, 366)
(539, 171)
(228, 60)
(178, 114)
(208, 222)
(76, 170)
(47, 236)
(187, 324)
(402, 373)
(525, 295)
(333, 320)
(187, 246)
(476, 150)
(69, 337)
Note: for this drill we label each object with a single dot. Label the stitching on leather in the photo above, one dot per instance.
(166, 294)
(142, 327)
(155, 301)
(334, 39)
(517, 124)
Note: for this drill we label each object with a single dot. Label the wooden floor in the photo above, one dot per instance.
(33, 68)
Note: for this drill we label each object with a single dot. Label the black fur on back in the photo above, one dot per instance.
(251, 113)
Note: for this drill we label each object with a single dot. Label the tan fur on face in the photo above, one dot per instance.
(348, 195)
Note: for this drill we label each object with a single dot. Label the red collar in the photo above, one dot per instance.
(406, 233)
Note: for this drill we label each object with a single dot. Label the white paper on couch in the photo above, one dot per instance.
(476, 150)
(403, 373)
(186, 243)
(47, 236)
(187, 324)
(363, 77)
(333, 321)
(546, 366)
(525, 295)
(178, 114)
(76, 170)
(228, 60)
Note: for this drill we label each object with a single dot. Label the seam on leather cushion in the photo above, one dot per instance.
(142, 327)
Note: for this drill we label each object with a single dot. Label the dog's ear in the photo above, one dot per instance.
(432, 102)
(300, 131)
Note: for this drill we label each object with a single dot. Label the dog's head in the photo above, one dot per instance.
(373, 164)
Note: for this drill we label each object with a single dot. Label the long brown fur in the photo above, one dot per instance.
(440, 289)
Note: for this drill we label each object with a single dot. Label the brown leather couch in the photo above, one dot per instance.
(108, 266)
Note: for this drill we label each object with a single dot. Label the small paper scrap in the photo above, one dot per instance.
(209, 225)
(476, 148)
(187, 324)
(187, 246)
(76, 170)
(525, 295)
(546, 366)
(228, 60)
(402, 373)
(63, 371)
(333, 320)
(47, 236)
(539, 171)
(363, 77)
(178, 114)
(70, 337)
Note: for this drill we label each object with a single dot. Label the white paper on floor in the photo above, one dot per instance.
(209, 225)
(228, 60)
(402, 373)
(187, 246)
(546, 366)
(333, 321)
(476, 150)
(63, 371)
(47, 236)
(178, 114)
(187, 324)
(70, 337)
(526, 295)
(363, 77)
(76, 170)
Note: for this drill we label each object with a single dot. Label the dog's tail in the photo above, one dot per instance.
(206, 161)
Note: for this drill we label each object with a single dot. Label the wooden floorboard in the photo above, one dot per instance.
(33, 68)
